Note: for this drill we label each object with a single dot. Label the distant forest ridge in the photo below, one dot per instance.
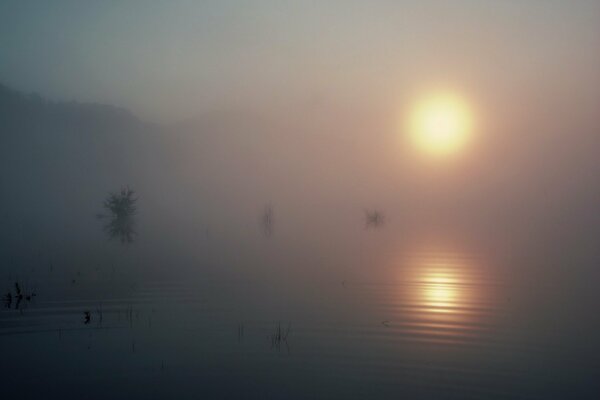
(16, 104)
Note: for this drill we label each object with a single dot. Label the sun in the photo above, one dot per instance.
(441, 124)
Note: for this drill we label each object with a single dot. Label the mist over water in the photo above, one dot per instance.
(256, 265)
(255, 224)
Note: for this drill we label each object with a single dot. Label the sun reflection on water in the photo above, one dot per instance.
(441, 288)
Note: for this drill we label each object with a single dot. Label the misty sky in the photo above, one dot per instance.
(178, 59)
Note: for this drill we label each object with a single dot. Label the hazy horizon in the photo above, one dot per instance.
(294, 199)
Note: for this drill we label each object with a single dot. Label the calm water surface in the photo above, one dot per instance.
(427, 324)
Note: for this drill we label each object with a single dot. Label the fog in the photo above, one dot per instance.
(527, 179)
(276, 185)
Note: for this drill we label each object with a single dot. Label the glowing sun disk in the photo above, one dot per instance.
(440, 124)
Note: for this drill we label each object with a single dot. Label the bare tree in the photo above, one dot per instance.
(373, 219)
(266, 221)
(122, 210)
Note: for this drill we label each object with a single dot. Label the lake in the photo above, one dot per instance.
(380, 316)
